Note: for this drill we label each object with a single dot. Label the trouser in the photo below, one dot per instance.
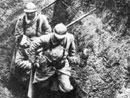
(40, 91)
(58, 81)
(64, 78)
(64, 82)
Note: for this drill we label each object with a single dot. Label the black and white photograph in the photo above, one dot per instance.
(64, 48)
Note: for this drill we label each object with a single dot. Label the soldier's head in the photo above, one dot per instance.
(60, 31)
(30, 10)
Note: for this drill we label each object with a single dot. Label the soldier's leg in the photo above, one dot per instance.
(64, 78)
(64, 82)
(37, 90)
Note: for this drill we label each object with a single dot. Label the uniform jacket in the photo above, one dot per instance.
(47, 41)
(37, 27)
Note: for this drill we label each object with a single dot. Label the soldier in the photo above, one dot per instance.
(58, 52)
(28, 27)
(32, 24)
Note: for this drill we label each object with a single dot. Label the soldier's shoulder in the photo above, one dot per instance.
(47, 36)
(71, 36)
(42, 16)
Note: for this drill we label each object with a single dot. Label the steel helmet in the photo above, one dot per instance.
(30, 7)
(60, 30)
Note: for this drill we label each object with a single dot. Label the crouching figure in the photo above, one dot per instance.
(58, 51)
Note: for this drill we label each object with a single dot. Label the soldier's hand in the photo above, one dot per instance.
(74, 60)
(37, 65)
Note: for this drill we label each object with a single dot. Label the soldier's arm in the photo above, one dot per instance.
(41, 41)
(18, 29)
(73, 58)
(72, 48)
(45, 25)
(22, 61)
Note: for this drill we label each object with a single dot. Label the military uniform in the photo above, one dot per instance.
(63, 72)
(28, 27)
(32, 29)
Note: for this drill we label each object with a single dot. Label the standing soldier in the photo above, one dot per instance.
(31, 24)
(58, 50)
(28, 27)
